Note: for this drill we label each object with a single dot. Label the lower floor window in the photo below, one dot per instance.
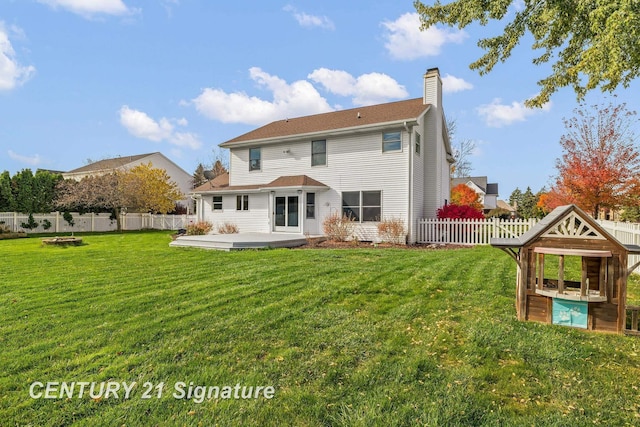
(217, 203)
(242, 202)
(362, 206)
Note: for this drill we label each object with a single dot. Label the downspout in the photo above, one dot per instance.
(410, 218)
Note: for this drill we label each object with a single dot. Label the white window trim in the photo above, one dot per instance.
(259, 169)
(391, 151)
(326, 156)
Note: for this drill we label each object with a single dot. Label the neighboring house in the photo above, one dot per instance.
(488, 192)
(507, 207)
(157, 160)
(371, 163)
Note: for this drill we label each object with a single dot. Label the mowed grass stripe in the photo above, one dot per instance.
(347, 337)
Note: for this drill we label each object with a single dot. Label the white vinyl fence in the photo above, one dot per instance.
(626, 232)
(470, 231)
(95, 222)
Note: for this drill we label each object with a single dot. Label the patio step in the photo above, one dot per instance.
(229, 242)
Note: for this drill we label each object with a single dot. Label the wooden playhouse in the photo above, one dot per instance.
(592, 293)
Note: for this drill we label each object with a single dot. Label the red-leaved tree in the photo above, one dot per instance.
(600, 164)
(452, 211)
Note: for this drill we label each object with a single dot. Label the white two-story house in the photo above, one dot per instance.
(370, 163)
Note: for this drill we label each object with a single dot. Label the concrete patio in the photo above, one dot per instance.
(230, 242)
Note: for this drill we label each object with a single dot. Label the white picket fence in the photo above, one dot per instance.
(626, 232)
(95, 222)
(470, 231)
(480, 232)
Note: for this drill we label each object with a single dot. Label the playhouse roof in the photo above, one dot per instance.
(564, 221)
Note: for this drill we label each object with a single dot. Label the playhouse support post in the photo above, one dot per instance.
(540, 271)
(584, 285)
(560, 274)
(523, 273)
(621, 282)
(602, 280)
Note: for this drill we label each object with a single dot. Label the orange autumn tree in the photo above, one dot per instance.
(463, 195)
(600, 163)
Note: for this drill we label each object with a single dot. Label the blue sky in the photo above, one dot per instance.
(96, 79)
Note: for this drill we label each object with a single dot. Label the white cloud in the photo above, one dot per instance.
(185, 139)
(497, 114)
(89, 8)
(406, 41)
(295, 99)
(140, 125)
(289, 100)
(12, 74)
(34, 160)
(310, 21)
(367, 89)
(451, 84)
(335, 81)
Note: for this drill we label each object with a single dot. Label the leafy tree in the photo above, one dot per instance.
(527, 206)
(22, 186)
(148, 189)
(631, 214)
(600, 164)
(217, 169)
(28, 193)
(461, 194)
(7, 201)
(44, 187)
(94, 193)
(515, 197)
(593, 43)
(140, 189)
(198, 177)
(525, 203)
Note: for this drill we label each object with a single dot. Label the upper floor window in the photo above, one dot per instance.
(391, 142)
(418, 143)
(319, 153)
(254, 159)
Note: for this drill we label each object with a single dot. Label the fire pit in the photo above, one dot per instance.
(63, 241)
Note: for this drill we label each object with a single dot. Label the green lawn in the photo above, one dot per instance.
(347, 337)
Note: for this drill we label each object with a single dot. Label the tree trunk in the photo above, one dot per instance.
(117, 212)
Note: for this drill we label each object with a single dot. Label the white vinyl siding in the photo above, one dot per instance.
(354, 162)
(254, 220)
